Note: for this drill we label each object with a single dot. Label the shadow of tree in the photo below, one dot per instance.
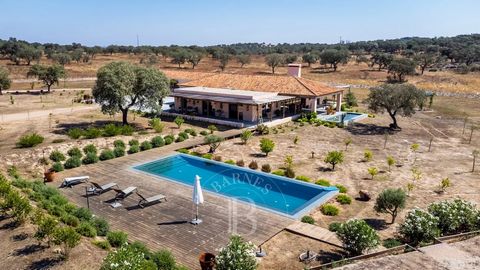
(20, 237)
(330, 256)
(63, 128)
(176, 222)
(368, 129)
(46, 263)
(9, 225)
(377, 224)
(28, 250)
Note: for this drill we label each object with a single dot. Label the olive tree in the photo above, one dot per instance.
(390, 201)
(309, 58)
(334, 158)
(399, 68)
(5, 82)
(49, 75)
(121, 85)
(274, 60)
(213, 141)
(333, 57)
(194, 58)
(243, 59)
(395, 99)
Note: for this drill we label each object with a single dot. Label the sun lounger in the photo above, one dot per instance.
(150, 200)
(70, 181)
(96, 189)
(123, 193)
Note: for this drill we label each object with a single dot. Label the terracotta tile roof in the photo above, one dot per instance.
(184, 76)
(286, 85)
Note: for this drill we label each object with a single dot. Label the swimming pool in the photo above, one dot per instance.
(346, 117)
(275, 193)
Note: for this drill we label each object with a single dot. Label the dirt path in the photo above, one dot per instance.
(29, 115)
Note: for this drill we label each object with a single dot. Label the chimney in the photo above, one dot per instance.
(295, 70)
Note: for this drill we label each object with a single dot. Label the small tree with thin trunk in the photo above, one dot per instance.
(49, 75)
(266, 145)
(395, 99)
(246, 135)
(333, 158)
(475, 154)
(347, 142)
(391, 201)
(390, 161)
(5, 82)
(213, 141)
(243, 59)
(372, 171)
(274, 60)
(67, 238)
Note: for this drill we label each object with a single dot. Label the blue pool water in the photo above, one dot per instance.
(279, 194)
(347, 117)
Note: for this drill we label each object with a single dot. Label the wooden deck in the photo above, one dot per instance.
(166, 225)
(315, 232)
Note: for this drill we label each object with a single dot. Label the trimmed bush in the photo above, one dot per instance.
(341, 188)
(357, 236)
(183, 151)
(111, 130)
(101, 226)
(117, 238)
(72, 162)
(164, 260)
(334, 226)
(455, 216)
(230, 161)
(127, 130)
(303, 178)
(207, 156)
(74, 152)
(90, 148)
(289, 172)
(103, 244)
(344, 199)
(57, 156)
(75, 133)
(191, 131)
(279, 172)
(119, 143)
(329, 210)
(146, 145)
(90, 158)
(266, 145)
(128, 257)
(86, 229)
(70, 220)
(266, 168)
(168, 140)
(183, 134)
(29, 140)
(57, 167)
(92, 133)
(419, 227)
(204, 133)
(133, 142)
(156, 124)
(308, 219)
(107, 154)
(253, 165)
(241, 163)
(180, 139)
(157, 141)
(323, 182)
(119, 151)
(134, 149)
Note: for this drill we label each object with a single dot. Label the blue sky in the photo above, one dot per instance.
(207, 22)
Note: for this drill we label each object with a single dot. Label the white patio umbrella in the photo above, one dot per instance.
(197, 198)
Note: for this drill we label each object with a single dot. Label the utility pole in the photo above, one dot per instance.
(138, 43)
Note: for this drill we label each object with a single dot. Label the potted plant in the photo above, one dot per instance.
(207, 261)
(49, 175)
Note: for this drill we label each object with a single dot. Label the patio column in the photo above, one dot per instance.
(339, 101)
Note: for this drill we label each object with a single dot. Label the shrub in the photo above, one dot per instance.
(86, 229)
(367, 155)
(253, 165)
(103, 244)
(101, 226)
(119, 151)
(454, 216)
(117, 238)
(419, 227)
(57, 156)
(67, 237)
(29, 140)
(133, 142)
(212, 128)
(323, 182)
(127, 257)
(303, 178)
(390, 201)
(157, 141)
(164, 260)
(262, 129)
(230, 161)
(334, 158)
(74, 152)
(357, 236)
(246, 135)
(70, 220)
(92, 133)
(90, 148)
(308, 219)
(13, 172)
(241, 163)
(127, 130)
(119, 143)
(156, 124)
(391, 243)
(183, 151)
(75, 133)
(57, 167)
(341, 188)
(180, 139)
(279, 172)
(107, 154)
(329, 210)
(179, 121)
(46, 227)
(266, 145)
(90, 158)
(203, 133)
(238, 254)
(289, 172)
(207, 156)
(334, 226)
(134, 149)
(111, 130)
(344, 199)
(146, 145)
(168, 140)
(191, 131)
(184, 135)
(213, 141)
(73, 162)
(83, 214)
(266, 168)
